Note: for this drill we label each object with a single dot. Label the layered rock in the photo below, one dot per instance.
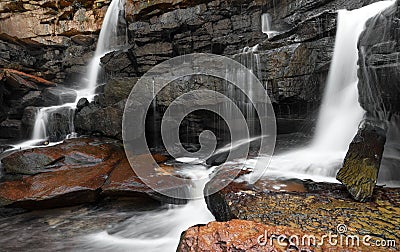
(294, 63)
(74, 172)
(242, 235)
(379, 95)
(51, 22)
(308, 206)
(18, 90)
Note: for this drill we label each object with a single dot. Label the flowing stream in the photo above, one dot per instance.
(338, 121)
(111, 38)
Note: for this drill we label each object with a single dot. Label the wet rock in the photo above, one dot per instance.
(57, 96)
(118, 89)
(379, 71)
(60, 123)
(73, 152)
(17, 107)
(87, 120)
(76, 171)
(83, 102)
(308, 206)
(361, 165)
(55, 189)
(29, 118)
(244, 235)
(11, 129)
(124, 182)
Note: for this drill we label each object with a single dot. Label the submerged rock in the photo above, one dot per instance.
(308, 206)
(74, 172)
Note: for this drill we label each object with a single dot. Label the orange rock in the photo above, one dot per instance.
(242, 235)
(73, 172)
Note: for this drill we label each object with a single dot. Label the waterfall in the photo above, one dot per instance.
(251, 59)
(266, 25)
(110, 39)
(340, 112)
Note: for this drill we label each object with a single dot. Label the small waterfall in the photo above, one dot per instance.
(157, 230)
(266, 25)
(110, 39)
(249, 58)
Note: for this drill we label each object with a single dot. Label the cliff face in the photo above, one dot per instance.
(56, 39)
(379, 50)
(51, 21)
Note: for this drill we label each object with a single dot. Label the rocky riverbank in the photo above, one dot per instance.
(76, 171)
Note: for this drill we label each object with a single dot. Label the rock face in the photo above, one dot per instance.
(242, 235)
(379, 46)
(379, 95)
(294, 64)
(51, 22)
(56, 40)
(74, 172)
(308, 206)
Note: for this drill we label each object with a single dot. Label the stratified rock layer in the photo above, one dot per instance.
(76, 171)
(309, 206)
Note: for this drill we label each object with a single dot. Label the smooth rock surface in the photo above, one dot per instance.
(309, 206)
(74, 172)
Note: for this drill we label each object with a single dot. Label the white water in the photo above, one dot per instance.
(339, 117)
(109, 40)
(340, 112)
(156, 230)
(266, 25)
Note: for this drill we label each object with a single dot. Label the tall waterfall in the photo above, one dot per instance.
(110, 38)
(340, 112)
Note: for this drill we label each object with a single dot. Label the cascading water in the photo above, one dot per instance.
(110, 39)
(339, 117)
(157, 230)
(340, 112)
(266, 23)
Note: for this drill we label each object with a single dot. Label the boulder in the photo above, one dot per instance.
(76, 171)
(57, 96)
(118, 89)
(362, 162)
(19, 80)
(244, 235)
(307, 205)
